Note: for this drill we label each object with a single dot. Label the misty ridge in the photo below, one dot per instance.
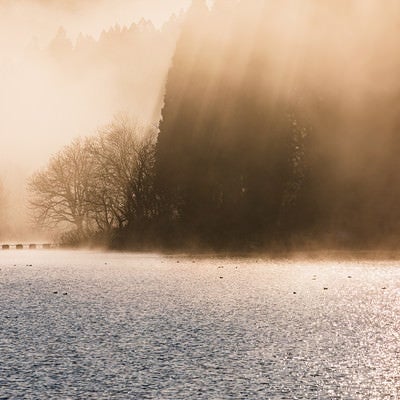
(131, 62)
(259, 124)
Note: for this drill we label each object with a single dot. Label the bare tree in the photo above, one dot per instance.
(99, 184)
(60, 191)
(122, 191)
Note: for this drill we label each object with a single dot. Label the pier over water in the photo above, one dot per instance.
(28, 246)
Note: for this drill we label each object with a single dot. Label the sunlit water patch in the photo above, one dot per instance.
(109, 325)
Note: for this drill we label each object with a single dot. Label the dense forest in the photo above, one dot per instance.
(278, 129)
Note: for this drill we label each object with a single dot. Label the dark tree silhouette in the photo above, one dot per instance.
(227, 147)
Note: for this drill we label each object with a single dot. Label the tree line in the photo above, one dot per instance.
(269, 136)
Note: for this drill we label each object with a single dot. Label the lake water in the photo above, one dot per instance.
(94, 325)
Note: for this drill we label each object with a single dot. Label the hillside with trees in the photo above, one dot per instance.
(268, 136)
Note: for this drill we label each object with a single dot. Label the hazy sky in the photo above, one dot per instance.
(32, 125)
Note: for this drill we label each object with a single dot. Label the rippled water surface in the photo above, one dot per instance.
(93, 325)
